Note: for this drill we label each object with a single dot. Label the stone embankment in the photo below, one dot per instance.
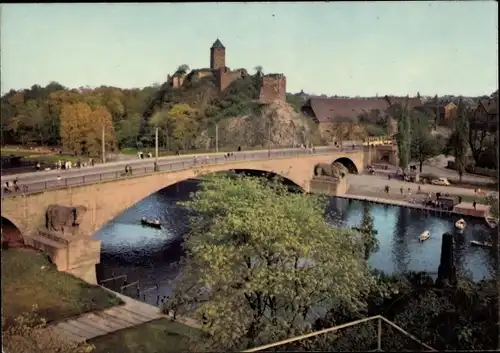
(463, 208)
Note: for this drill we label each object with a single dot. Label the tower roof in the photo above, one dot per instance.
(218, 45)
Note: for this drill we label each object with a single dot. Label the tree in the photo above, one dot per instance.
(259, 71)
(481, 132)
(368, 231)
(493, 203)
(75, 124)
(260, 259)
(457, 142)
(423, 144)
(450, 318)
(128, 130)
(182, 69)
(81, 129)
(100, 119)
(181, 118)
(424, 147)
(402, 114)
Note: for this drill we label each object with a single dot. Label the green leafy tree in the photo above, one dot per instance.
(402, 114)
(493, 203)
(128, 130)
(178, 123)
(259, 71)
(457, 143)
(424, 145)
(368, 231)
(182, 69)
(259, 259)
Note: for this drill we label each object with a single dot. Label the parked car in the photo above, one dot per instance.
(441, 181)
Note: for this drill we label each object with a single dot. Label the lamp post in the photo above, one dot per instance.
(269, 140)
(216, 137)
(156, 145)
(103, 144)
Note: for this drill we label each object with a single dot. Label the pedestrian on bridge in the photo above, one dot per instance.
(16, 185)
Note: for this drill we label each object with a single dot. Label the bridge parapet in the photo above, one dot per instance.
(361, 157)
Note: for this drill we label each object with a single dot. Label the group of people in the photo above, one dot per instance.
(141, 155)
(66, 165)
(12, 186)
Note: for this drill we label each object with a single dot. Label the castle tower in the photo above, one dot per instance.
(217, 55)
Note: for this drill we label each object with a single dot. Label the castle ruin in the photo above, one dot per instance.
(273, 86)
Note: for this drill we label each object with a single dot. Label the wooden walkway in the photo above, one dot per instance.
(99, 323)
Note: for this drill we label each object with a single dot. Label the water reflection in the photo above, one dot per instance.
(150, 255)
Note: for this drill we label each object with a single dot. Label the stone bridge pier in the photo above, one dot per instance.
(75, 254)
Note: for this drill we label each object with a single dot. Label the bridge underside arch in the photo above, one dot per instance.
(268, 175)
(271, 176)
(348, 163)
(11, 234)
(172, 188)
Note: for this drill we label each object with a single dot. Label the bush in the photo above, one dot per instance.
(29, 334)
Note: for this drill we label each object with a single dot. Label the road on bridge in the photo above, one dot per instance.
(42, 180)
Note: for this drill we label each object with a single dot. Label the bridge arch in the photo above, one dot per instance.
(348, 163)
(11, 234)
(267, 174)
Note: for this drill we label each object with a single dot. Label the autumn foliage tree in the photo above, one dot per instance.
(81, 129)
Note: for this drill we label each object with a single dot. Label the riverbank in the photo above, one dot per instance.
(462, 209)
(372, 189)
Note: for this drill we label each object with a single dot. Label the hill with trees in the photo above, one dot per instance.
(55, 115)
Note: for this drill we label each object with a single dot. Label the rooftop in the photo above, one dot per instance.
(329, 109)
(218, 45)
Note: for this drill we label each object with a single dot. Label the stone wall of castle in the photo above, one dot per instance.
(202, 74)
(224, 77)
(273, 88)
(176, 81)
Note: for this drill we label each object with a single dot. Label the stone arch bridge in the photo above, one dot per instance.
(106, 199)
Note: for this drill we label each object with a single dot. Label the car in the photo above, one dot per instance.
(441, 181)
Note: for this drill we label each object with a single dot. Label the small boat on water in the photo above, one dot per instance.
(460, 225)
(486, 244)
(492, 222)
(424, 236)
(150, 222)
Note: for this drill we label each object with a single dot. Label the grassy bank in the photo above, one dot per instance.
(28, 278)
(162, 335)
(47, 158)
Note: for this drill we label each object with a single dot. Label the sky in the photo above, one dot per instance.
(339, 48)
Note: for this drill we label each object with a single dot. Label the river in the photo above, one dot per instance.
(150, 255)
